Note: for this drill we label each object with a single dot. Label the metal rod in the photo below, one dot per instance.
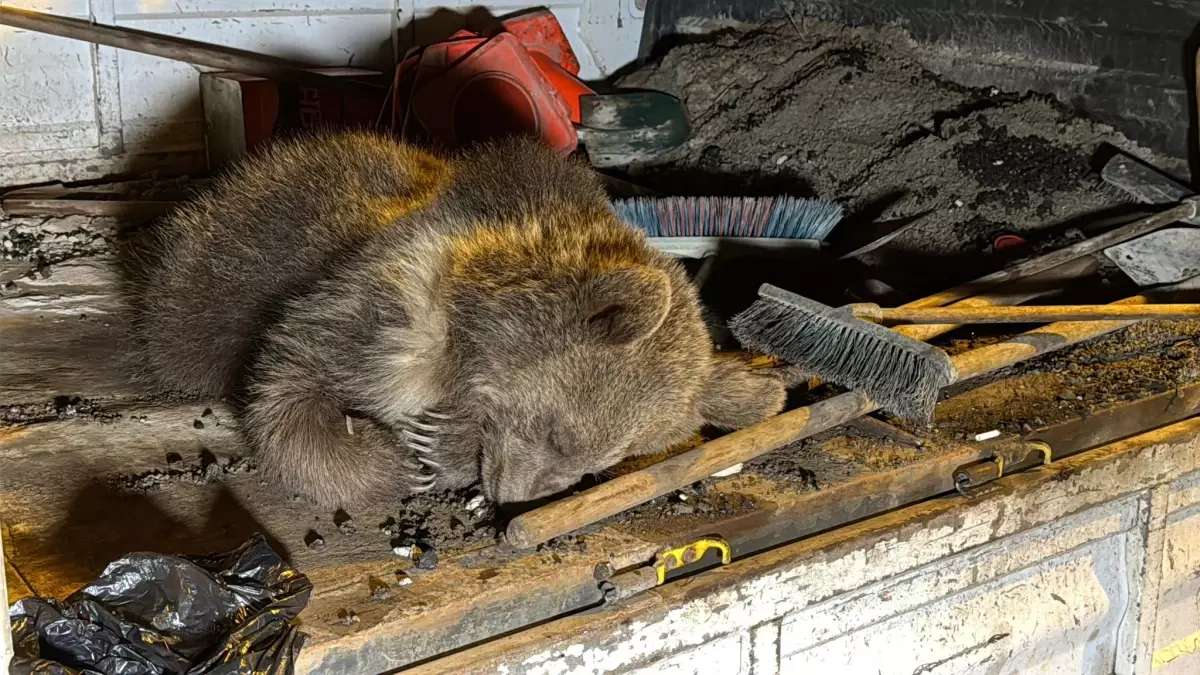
(1039, 285)
(1034, 314)
(1185, 210)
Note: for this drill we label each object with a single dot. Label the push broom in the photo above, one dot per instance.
(842, 345)
(712, 228)
(694, 226)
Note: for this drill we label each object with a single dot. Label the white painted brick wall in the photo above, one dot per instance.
(1048, 600)
(1177, 624)
(6, 647)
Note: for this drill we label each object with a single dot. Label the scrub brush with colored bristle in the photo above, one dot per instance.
(696, 226)
(902, 375)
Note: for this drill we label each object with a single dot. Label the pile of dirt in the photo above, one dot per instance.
(46, 241)
(204, 470)
(849, 114)
(61, 408)
(696, 502)
(443, 521)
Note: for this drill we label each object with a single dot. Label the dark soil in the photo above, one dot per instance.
(63, 407)
(441, 520)
(850, 115)
(1141, 361)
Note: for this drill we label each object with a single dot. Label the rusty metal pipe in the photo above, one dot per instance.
(630, 490)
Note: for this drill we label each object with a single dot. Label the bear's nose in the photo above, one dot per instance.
(552, 480)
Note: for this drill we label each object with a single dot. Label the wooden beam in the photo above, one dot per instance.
(217, 57)
(125, 209)
(1092, 478)
(62, 333)
(62, 537)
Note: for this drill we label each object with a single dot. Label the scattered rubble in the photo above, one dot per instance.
(206, 469)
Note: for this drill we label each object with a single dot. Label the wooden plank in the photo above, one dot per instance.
(137, 210)
(59, 538)
(62, 334)
(218, 57)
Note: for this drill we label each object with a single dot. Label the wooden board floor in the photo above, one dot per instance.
(64, 518)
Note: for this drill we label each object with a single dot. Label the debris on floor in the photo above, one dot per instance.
(205, 469)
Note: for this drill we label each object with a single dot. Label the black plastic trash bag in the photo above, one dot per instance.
(152, 614)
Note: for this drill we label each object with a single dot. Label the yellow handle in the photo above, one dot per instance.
(1023, 314)
(688, 554)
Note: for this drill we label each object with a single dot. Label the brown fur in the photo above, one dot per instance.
(348, 274)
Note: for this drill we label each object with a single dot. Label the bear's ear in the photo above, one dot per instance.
(737, 397)
(626, 305)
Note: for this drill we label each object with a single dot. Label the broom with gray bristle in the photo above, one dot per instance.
(902, 375)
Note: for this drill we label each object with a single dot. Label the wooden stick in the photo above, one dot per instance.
(1053, 266)
(179, 49)
(1036, 286)
(1185, 210)
(630, 490)
(1034, 314)
(105, 208)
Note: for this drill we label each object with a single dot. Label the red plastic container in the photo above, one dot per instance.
(495, 90)
(541, 33)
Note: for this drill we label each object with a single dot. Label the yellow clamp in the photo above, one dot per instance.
(1045, 449)
(688, 554)
(1036, 446)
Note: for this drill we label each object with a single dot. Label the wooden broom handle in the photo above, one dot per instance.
(625, 492)
(1186, 210)
(1023, 314)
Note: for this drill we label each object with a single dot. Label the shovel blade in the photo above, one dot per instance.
(1167, 256)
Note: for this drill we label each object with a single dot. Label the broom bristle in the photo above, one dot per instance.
(903, 376)
(762, 217)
